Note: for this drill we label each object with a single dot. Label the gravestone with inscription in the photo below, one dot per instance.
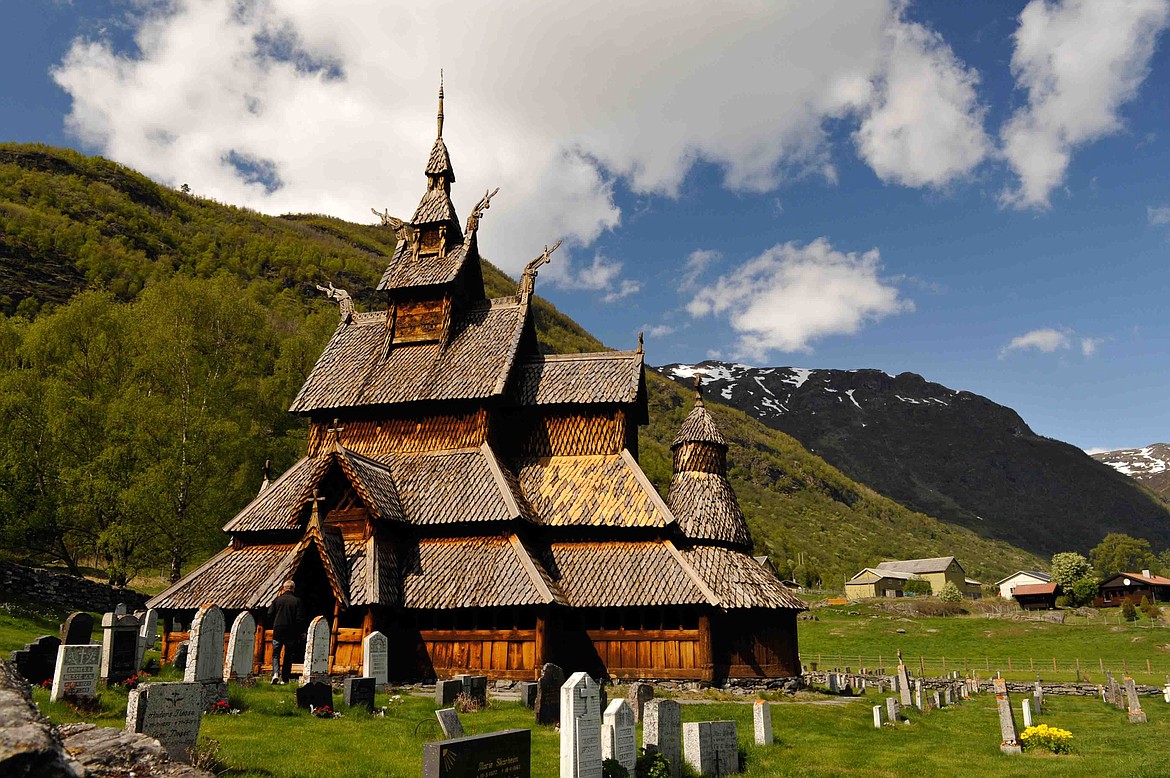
(76, 672)
(904, 690)
(893, 710)
(1133, 703)
(119, 647)
(358, 692)
(618, 738)
(37, 660)
(316, 666)
(376, 657)
(580, 727)
(450, 723)
(711, 747)
(638, 695)
(762, 722)
(1009, 737)
(205, 655)
(77, 630)
(506, 754)
(169, 712)
(662, 732)
(315, 694)
(147, 632)
(1038, 696)
(548, 694)
(241, 648)
(446, 692)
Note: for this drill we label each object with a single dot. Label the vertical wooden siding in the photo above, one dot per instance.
(629, 653)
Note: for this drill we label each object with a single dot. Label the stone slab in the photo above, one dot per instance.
(711, 747)
(38, 659)
(1009, 737)
(76, 672)
(169, 712)
(316, 663)
(119, 647)
(376, 658)
(893, 710)
(637, 695)
(315, 694)
(662, 732)
(528, 691)
(77, 629)
(447, 691)
(618, 738)
(548, 695)
(241, 648)
(359, 692)
(505, 754)
(580, 727)
(147, 633)
(205, 653)
(762, 722)
(450, 723)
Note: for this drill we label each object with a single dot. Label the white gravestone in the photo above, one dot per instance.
(168, 712)
(904, 686)
(618, 739)
(76, 673)
(241, 649)
(1166, 693)
(580, 727)
(662, 731)
(762, 722)
(205, 653)
(376, 658)
(711, 747)
(316, 666)
(892, 710)
(147, 633)
(877, 716)
(1026, 708)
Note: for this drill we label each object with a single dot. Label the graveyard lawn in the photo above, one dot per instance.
(843, 633)
(271, 737)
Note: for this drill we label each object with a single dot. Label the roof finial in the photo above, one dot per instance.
(264, 483)
(528, 277)
(641, 343)
(440, 102)
(698, 388)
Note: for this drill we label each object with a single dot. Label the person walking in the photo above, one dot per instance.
(287, 619)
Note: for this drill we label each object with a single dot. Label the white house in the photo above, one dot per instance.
(1020, 578)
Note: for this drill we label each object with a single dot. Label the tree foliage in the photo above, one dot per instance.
(950, 593)
(1068, 567)
(1118, 553)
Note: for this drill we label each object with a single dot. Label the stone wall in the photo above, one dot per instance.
(821, 678)
(68, 591)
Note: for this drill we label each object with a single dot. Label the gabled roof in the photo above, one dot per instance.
(706, 508)
(233, 578)
(699, 427)
(354, 370)
(404, 271)
(605, 490)
(1034, 573)
(278, 506)
(1035, 589)
(606, 377)
(625, 574)
(739, 580)
(473, 572)
(466, 485)
(1153, 580)
(918, 566)
(896, 575)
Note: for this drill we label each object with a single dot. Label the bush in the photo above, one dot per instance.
(652, 765)
(950, 593)
(1128, 611)
(1152, 611)
(612, 768)
(916, 586)
(1044, 737)
(1081, 593)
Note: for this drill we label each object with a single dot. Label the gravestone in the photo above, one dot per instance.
(449, 722)
(1026, 709)
(1166, 693)
(37, 660)
(119, 647)
(1133, 703)
(205, 655)
(548, 694)
(936, 699)
(1009, 739)
(77, 629)
(580, 727)
(618, 738)
(662, 732)
(147, 632)
(241, 648)
(76, 672)
(949, 695)
(919, 698)
(638, 694)
(168, 712)
(762, 722)
(877, 716)
(316, 666)
(506, 754)
(1038, 696)
(831, 682)
(120, 609)
(376, 658)
(711, 747)
(446, 692)
(528, 690)
(357, 692)
(315, 694)
(892, 710)
(904, 685)
(475, 687)
(181, 651)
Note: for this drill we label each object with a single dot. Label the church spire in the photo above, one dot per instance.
(440, 135)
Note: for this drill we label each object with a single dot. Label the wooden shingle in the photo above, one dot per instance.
(604, 491)
(739, 580)
(622, 574)
(472, 572)
(706, 508)
(605, 377)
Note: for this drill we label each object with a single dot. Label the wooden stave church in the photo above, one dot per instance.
(481, 503)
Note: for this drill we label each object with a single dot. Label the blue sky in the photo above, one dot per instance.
(975, 192)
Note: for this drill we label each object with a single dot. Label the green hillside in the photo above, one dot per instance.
(152, 341)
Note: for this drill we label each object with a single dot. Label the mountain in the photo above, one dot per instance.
(952, 454)
(69, 222)
(1149, 466)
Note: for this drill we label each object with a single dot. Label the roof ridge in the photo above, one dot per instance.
(581, 356)
(693, 574)
(501, 483)
(530, 568)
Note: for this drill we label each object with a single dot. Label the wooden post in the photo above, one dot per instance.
(921, 666)
(333, 635)
(1009, 663)
(1054, 669)
(258, 650)
(1148, 668)
(368, 623)
(168, 625)
(944, 665)
(964, 665)
(706, 663)
(1102, 663)
(538, 649)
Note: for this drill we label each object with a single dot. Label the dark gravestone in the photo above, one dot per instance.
(37, 660)
(315, 694)
(504, 754)
(77, 629)
(528, 691)
(119, 647)
(359, 691)
(447, 691)
(475, 687)
(548, 695)
(180, 660)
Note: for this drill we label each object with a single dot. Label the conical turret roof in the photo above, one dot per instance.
(699, 427)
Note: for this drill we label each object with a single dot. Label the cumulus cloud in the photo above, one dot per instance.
(696, 265)
(1079, 61)
(657, 330)
(300, 105)
(602, 275)
(1089, 346)
(793, 294)
(1158, 214)
(1046, 340)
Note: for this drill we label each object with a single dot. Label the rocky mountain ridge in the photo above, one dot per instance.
(1149, 465)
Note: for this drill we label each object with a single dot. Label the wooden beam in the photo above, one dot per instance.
(258, 651)
(704, 659)
(538, 650)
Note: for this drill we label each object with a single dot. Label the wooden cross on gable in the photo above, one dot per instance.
(334, 433)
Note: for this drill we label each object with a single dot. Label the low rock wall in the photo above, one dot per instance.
(821, 678)
(69, 591)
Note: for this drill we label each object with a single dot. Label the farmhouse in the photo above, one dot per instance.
(1020, 578)
(889, 578)
(1132, 587)
(481, 503)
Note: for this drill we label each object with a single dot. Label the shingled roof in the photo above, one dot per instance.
(604, 377)
(699, 427)
(468, 485)
(354, 370)
(405, 271)
(233, 578)
(706, 508)
(474, 572)
(606, 490)
(619, 573)
(740, 581)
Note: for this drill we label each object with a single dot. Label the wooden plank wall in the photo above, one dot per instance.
(509, 654)
(756, 646)
(649, 653)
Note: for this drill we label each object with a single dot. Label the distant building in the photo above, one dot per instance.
(1132, 587)
(888, 579)
(1020, 578)
(1037, 597)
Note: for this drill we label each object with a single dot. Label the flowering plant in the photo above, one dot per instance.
(47, 683)
(324, 712)
(1042, 736)
(223, 707)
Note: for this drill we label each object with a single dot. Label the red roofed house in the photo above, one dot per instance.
(1132, 587)
(1037, 597)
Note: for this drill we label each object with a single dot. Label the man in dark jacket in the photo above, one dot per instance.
(287, 620)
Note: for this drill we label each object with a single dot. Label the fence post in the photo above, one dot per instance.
(1148, 670)
(1054, 664)
(1102, 663)
(1031, 664)
(921, 666)
(944, 665)
(987, 662)
(1009, 664)
(964, 665)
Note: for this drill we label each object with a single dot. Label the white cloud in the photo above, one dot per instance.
(926, 126)
(331, 105)
(1051, 339)
(602, 275)
(1098, 450)
(657, 330)
(792, 295)
(1158, 214)
(1080, 61)
(1089, 346)
(697, 263)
